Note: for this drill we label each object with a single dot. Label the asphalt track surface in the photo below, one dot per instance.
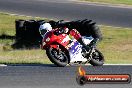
(49, 76)
(69, 10)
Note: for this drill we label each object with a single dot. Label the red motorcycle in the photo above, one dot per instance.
(64, 49)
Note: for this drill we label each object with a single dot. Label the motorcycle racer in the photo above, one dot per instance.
(46, 27)
(85, 27)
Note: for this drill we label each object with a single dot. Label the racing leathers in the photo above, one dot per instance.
(81, 28)
(76, 35)
(84, 28)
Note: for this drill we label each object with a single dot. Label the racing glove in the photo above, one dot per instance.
(61, 31)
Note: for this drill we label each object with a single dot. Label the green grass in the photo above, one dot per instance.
(116, 45)
(24, 57)
(7, 23)
(126, 2)
(7, 55)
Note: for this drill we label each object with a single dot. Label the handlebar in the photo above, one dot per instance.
(59, 31)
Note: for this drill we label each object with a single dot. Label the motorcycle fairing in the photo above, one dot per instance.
(75, 52)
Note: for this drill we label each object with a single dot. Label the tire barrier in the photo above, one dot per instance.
(85, 27)
(27, 31)
(27, 34)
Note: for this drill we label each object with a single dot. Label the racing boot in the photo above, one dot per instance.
(85, 48)
(93, 42)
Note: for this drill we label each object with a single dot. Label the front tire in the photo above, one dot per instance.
(60, 59)
(97, 58)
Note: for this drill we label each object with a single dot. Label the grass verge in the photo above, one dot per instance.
(125, 2)
(116, 45)
(34, 56)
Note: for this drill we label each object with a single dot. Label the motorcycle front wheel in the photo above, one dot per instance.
(97, 58)
(57, 57)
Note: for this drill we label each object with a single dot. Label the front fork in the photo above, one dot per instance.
(89, 54)
(58, 48)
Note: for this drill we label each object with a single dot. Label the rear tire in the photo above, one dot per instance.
(97, 60)
(61, 61)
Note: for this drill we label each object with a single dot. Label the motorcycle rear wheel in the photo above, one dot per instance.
(60, 59)
(97, 58)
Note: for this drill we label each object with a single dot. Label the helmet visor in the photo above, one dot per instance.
(42, 32)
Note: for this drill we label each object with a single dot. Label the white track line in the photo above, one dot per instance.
(3, 65)
(104, 4)
(117, 27)
(113, 64)
(119, 64)
(17, 15)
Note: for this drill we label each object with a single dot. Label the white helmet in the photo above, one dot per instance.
(46, 27)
